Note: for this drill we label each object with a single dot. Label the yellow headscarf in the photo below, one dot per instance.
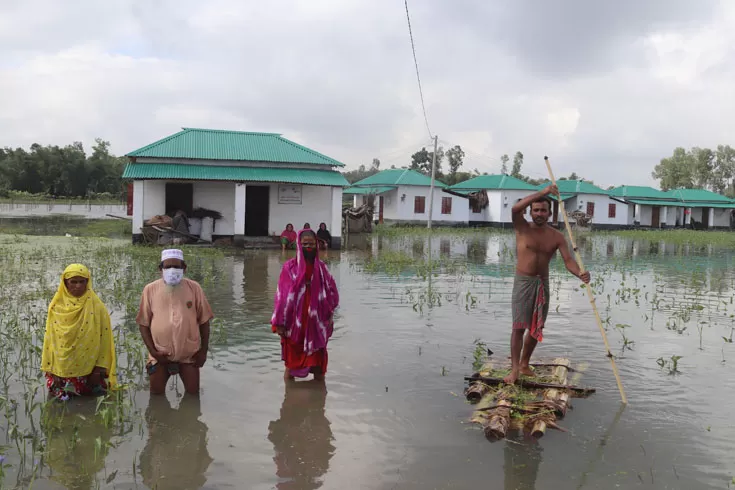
(78, 332)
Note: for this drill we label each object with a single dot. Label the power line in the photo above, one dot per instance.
(418, 77)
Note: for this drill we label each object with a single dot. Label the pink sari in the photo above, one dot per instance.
(313, 334)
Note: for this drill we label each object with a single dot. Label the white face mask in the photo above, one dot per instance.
(173, 277)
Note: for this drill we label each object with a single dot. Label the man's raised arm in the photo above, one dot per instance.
(520, 206)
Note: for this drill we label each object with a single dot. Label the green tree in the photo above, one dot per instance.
(504, 167)
(675, 171)
(517, 164)
(421, 161)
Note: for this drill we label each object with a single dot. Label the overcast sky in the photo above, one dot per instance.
(606, 89)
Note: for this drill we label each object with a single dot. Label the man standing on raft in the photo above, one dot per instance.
(536, 244)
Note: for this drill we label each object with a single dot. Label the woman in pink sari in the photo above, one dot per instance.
(303, 312)
(288, 237)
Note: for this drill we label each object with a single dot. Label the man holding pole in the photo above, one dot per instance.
(536, 244)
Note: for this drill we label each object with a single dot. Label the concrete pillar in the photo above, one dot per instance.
(239, 218)
(354, 201)
(664, 215)
(335, 227)
(636, 213)
(711, 221)
(687, 216)
(138, 210)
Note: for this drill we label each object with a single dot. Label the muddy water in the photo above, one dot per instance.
(391, 413)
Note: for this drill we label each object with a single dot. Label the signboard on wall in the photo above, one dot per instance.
(289, 194)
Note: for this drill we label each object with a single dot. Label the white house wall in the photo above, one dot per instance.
(149, 199)
(721, 217)
(217, 196)
(396, 207)
(315, 208)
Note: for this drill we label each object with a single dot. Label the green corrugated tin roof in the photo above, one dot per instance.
(638, 192)
(504, 182)
(575, 187)
(368, 190)
(213, 144)
(656, 202)
(171, 171)
(697, 195)
(398, 176)
(564, 197)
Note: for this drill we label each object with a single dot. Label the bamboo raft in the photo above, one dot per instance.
(531, 405)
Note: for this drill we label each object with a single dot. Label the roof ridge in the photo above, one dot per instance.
(309, 150)
(160, 142)
(403, 174)
(231, 131)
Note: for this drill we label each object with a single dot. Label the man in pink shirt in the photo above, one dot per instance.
(174, 320)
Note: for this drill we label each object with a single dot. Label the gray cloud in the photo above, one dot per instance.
(606, 89)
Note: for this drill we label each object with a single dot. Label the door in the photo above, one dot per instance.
(556, 212)
(705, 218)
(656, 217)
(257, 206)
(179, 197)
(380, 210)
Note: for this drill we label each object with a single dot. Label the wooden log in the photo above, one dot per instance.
(171, 230)
(551, 396)
(128, 218)
(476, 391)
(577, 390)
(498, 421)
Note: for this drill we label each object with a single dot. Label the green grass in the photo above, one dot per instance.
(61, 225)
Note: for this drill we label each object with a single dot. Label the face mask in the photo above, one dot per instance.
(309, 253)
(173, 277)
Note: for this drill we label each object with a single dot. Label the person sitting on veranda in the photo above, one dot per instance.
(324, 237)
(288, 237)
(78, 355)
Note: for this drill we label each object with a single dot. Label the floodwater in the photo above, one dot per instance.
(391, 414)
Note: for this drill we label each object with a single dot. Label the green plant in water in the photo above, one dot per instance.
(627, 343)
(479, 354)
(671, 364)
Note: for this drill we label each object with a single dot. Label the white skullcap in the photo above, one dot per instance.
(172, 253)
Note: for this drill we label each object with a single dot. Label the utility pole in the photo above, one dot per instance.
(433, 176)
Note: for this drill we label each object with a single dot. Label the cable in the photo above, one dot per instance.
(418, 77)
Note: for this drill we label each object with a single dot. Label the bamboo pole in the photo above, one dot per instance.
(589, 288)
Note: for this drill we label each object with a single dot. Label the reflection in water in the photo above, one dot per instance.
(522, 460)
(77, 443)
(302, 436)
(175, 455)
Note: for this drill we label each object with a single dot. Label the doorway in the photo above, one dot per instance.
(380, 210)
(705, 218)
(257, 205)
(179, 196)
(656, 217)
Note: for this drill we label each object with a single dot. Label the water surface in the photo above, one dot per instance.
(391, 413)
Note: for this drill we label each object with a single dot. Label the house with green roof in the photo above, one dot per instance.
(258, 182)
(704, 209)
(501, 191)
(402, 196)
(606, 211)
(651, 207)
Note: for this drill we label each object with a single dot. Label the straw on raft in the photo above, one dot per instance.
(500, 407)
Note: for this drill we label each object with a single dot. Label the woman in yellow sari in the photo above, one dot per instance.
(78, 348)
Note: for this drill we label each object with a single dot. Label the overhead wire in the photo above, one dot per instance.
(418, 76)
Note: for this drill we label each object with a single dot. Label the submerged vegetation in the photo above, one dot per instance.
(70, 440)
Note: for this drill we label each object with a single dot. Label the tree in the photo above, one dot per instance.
(517, 164)
(421, 161)
(504, 168)
(455, 157)
(675, 171)
(362, 172)
(375, 165)
(573, 176)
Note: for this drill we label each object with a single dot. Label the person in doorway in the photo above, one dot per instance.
(288, 237)
(304, 305)
(324, 237)
(174, 318)
(78, 356)
(536, 244)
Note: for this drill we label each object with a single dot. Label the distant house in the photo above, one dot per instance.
(651, 207)
(402, 197)
(503, 191)
(259, 182)
(704, 209)
(607, 212)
